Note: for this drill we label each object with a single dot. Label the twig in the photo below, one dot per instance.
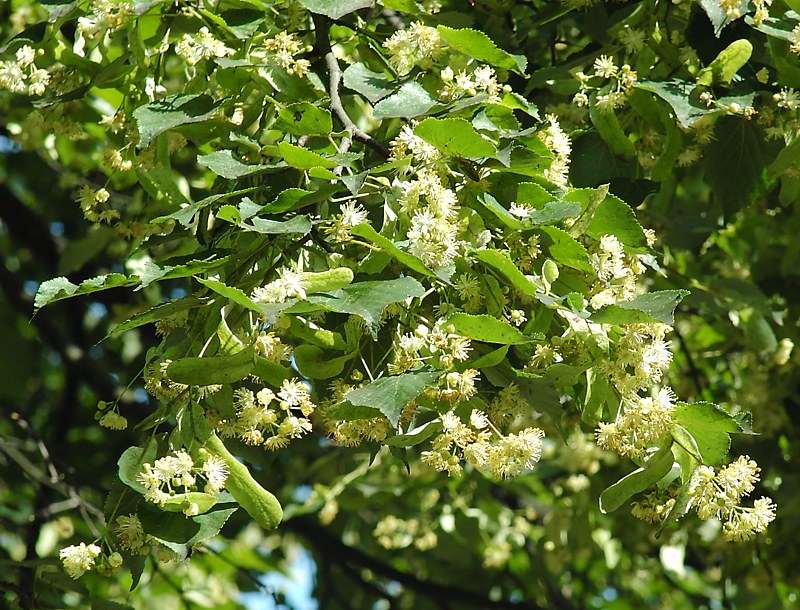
(334, 81)
(331, 546)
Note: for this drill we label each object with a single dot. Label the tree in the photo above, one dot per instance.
(376, 275)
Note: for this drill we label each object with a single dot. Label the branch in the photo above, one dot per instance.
(334, 80)
(331, 546)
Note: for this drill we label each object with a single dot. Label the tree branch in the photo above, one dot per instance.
(331, 546)
(334, 80)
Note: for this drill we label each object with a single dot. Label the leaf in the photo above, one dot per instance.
(554, 211)
(60, 288)
(159, 312)
(312, 362)
(608, 126)
(409, 260)
(615, 217)
(678, 94)
(231, 293)
(390, 395)
(566, 250)
(297, 224)
(656, 306)
(131, 461)
(416, 436)
(372, 85)
(223, 163)
(487, 329)
(304, 118)
(725, 66)
(179, 502)
(369, 299)
(501, 262)
(211, 370)
(735, 162)
(478, 45)
(717, 15)
(302, 158)
(710, 426)
(490, 359)
(159, 116)
(655, 469)
(180, 533)
(455, 138)
(335, 9)
(542, 396)
(494, 206)
(409, 101)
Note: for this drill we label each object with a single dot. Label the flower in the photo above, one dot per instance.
(113, 421)
(78, 559)
(604, 66)
(130, 532)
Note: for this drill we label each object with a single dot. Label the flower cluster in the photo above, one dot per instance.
(105, 17)
(79, 559)
(612, 84)
(288, 285)
(462, 83)
(351, 214)
(284, 48)
(202, 45)
(268, 420)
(439, 346)
(560, 145)
(93, 204)
(482, 445)
(352, 433)
(394, 533)
(432, 209)
(418, 45)
(178, 473)
(21, 75)
(718, 495)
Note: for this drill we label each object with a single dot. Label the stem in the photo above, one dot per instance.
(322, 28)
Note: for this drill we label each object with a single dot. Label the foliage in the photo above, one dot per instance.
(376, 273)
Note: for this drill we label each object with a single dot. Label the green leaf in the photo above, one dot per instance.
(416, 436)
(409, 260)
(566, 250)
(487, 329)
(679, 95)
(717, 15)
(490, 359)
(131, 461)
(60, 288)
(304, 118)
(335, 9)
(455, 138)
(656, 306)
(302, 158)
(312, 362)
(223, 163)
(369, 299)
(710, 426)
(501, 262)
(230, 292)
(608, 125)
(159, 312)
(410, 100)
(655, 469)
(735, 162)
(478, 45)
(372, 85)
(615, 217)
(297, 224)
(494, 206)
(172, 111)
(179, 533)
(725, 66)
(390, 395)
(211, 370)
(179, 502)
